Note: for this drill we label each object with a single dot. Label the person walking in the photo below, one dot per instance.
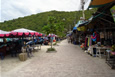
(29, 51)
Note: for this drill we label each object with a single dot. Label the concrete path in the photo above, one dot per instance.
(68, 61)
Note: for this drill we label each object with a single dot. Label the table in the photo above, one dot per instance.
(39, 46)
(99, 50)
(110, 59)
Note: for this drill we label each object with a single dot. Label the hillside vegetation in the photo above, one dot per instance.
(38, 21)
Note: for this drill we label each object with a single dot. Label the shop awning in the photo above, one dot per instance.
(80, 22)
(82, 28)
(90, 19)
(99, 3)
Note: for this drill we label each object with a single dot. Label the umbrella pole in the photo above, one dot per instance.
(33, 40)
(51, 41)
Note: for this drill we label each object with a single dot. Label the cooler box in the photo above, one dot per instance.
(23, 56)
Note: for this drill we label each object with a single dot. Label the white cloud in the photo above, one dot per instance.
(0, 11)
(11, 9)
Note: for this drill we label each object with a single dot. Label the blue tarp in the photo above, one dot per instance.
(74, 28)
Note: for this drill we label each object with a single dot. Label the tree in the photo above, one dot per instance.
(54, 26)
(50, 28)
(46, 29)
(38, 21)
(60, 29)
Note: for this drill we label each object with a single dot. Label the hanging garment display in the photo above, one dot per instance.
(86, 40)
(94, 37)
(90, 41)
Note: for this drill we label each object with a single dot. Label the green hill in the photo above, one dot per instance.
(37, 21)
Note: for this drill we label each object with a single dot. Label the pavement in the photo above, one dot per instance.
(68, 61)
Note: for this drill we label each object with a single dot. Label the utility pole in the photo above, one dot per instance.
(69, 27)
(82, 6)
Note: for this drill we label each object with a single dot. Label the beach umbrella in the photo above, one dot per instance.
(21, 31)
(4, 33)
(40, 34)
(16, 33)
(36, 34)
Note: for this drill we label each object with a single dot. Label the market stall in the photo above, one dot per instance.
(100, 39)
(18, 37)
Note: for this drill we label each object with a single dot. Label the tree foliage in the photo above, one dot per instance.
(62, 21)
(54, 26)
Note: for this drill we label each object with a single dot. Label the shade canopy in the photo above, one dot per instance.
(26, 32)
(23, 30)
(36, 34)
(79, 23)
(19, 33)
(4, 33)
(99, 3)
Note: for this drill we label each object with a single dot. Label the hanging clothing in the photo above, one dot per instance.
(86, 40)
(90, 41)
(98, 38)
(94, 37)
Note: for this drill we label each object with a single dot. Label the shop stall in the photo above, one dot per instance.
(18, 40)
(100, 39)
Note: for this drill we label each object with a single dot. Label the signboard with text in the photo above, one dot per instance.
(113, 12)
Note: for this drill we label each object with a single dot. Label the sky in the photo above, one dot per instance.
(12, 9)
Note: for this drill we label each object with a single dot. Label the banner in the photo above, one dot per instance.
(113, 12)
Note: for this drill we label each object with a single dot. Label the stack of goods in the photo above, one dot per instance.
(82, 45)
(113, 50)
(23, 56)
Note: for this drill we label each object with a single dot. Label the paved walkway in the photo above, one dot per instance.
(68, 61)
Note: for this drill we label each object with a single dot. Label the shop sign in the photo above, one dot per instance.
(113, 12)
